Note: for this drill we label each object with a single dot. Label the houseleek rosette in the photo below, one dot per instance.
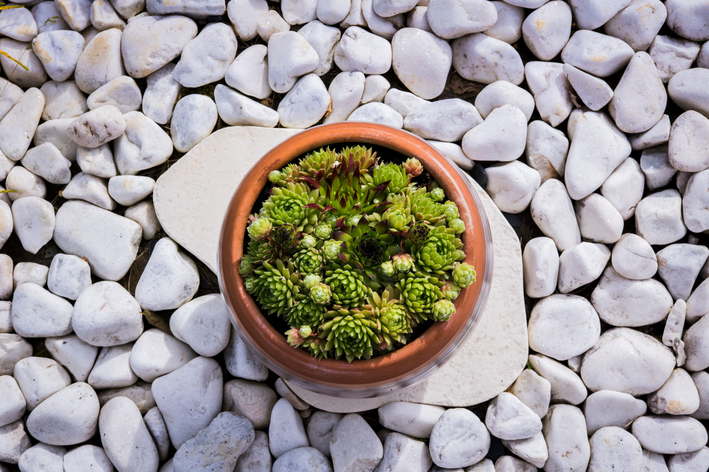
(277, 287)
(287, 205)
(349, 333)
(394, 174)
(464, 275)
(392, 315)
(443, 310)
(419, 294)
(439, 252)
(347, 286)
(305, 312)
(308, 261)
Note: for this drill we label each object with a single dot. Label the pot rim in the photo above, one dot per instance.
(337, 377)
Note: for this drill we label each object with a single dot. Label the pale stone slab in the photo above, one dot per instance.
(489, 361)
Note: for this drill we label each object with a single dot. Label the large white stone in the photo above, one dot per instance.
(553, 213)
(581, 264)
(206, 58)
(34, 222)
(458, 440)
(254, 401)
(640, 98)
(412, 419)
(421, 61)
(595, 93)
(670, 435)
(508, 27)
(59, 52)
(37, 313)
(658, 217)
(241, 362)
(547, 29)
(509, 418)
(615, 299)
(610, 408)
(189, 398)
(679, 265)
(62, 100)
(33, 76)
(122, 92)
(324, 40)
(169, 280)
(685, 19)
(483, 59)
(161, 93)
(688, 144)
(354, 445)
(193, 119)
(20, 124)
(125, 437)
(289, 57)
(151, 42)
(624, 187)
(512, 185)
(109, 242)
(678, 396)
(100, 61)
(656, 166)
(598, 147)
(696, 346)
(128, 190)
(501, 137)
(39, 378)
(550, 87)
(563, 326)
(112, 368)
(546, 149)
(541, 267)
(501, 93)
(564, 429)
(627, 361)
(305, 104)
(596, 53)
(638, 23)
(566, 386)
(14, 403)
(249, 72)
(68, 417)
(156, 353)
(633, 258)
(89, 188)
(686, 90)
(97, 127)
(238, 110)
(74, 354)
(203, 323)
(286, 431)
(14, 348)
(88, 457)
(360, 50)
(614, 448)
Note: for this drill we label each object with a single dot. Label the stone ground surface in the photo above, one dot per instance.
(586, 122)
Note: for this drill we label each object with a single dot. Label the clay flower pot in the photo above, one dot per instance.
(361, 378)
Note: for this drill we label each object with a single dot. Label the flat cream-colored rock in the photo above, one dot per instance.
(192, 197)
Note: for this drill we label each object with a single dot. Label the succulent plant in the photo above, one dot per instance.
(260, 228)
(319, 164)
(450, 210)
(323, 231)
(305, 312)
(354, 252)
(348, 288)
(439, 252)
(457, 225)
(350, 333)
(393, 174)
(277, 288)
(310, 280)
(331, 249)
(403, 263)
(413, 166)
(419, 294)
(437, 194)
(276, 177)
(464, 275)
(392, 315)
(308, 261)
(308, 241)
(284, 238)
(450, 291)
(320, 293)
(387, 269)
(443, 310)
(287, 205)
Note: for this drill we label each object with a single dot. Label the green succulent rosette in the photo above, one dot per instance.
(392, 315)
(437, 194)
(310, 280)
(305, 312)
(256, 254)
(443, 310)
(394, 174)
(323, 231)
(277, 287)
(464, 275)
(419, 294)
(349, 333)
(259, 228)
(439, 252)
(320, 294)
(308, 261)
(387, 269)
(413, 166)
(457, 225)
(403, 263)
(287, 205)
(319, 164)
(347, 286)
(450, 210)
(450, 291)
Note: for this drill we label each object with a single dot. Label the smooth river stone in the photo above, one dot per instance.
(192, 217)
(421, 61)
(626, 360)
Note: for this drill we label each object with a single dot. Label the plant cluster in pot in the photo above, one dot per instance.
(330, 259)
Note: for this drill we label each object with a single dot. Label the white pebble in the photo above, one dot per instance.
(670, 435)
(638, 23)
(610, 408)
(324, 40)
(444, 120)
(658, 217)
(484, 59)
(565, 433)
(193, 120)
(305, 104)
(403, 102)
(29, 272)
(100, 61)
(596, 53)
(547, 30)
(130, 189)
(614, 448)
(90, 189)
(453, 19)
(143, 213)
(97, 161)
(125, 437)
(566, 386)
(206, 58)
(553, 213)
(87, 457)
(238, 110)
(97, 127)
(14, 403)
(59, 52)
(269, 24)
(546, 149)
(74, 354)
(39, 378)
(688, 143)
(62, 100)
(34, 222)
(20, 124)
(634, 258)
(501, 93)
(143, 145)
(624, 187)
(122, 92)
(412, 419)
(459, 439)
(249, 72)
(112, 368)
(241, 362)
(501, 137)
(595, 93)
(286, 431)
(678, 396)
(551, 88)
(35, 76)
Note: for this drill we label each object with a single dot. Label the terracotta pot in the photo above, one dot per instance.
(361, 378)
